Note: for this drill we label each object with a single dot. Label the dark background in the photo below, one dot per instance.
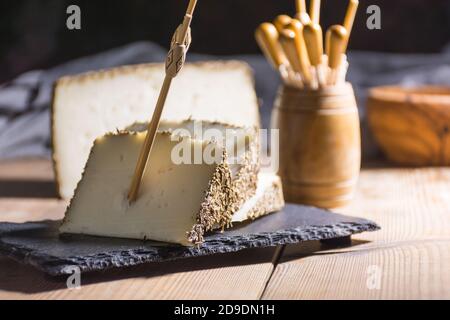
(34, 34)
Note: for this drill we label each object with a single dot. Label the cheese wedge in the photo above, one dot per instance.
(90, 105)
(178, 201)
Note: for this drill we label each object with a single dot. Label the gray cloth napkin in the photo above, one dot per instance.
(25, 101)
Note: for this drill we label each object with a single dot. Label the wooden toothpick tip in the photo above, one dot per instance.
(171, 71)
(336, 38)
(281, 22)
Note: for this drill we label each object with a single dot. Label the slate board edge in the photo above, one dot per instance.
(55, 266)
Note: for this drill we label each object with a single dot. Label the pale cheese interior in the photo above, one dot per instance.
(169, 198)
(237, 141)
(88, 106)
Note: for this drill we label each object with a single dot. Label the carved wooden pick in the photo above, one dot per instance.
(174, 63)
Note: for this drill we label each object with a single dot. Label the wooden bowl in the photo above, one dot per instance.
(411, 125)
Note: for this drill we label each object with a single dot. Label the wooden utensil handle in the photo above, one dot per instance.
(267, 37)
(350, 15)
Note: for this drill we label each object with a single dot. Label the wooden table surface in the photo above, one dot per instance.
(408, 259)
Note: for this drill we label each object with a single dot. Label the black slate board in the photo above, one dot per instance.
(39, 243)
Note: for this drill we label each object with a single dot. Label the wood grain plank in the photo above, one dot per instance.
(231, 276)
(28, 191)
(23, 210)
(411, 270)
(408, 203)
(31, 169)
(240, 275)
(412, 249)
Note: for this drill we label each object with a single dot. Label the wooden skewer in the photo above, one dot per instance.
(288, 71)
(175, 38)
(174, 63)
(301, 51)
(314, 43)
(314, 11)
(281, 22)
(191, 7)
(287, 41)
(300, 5)
(303, 17)
(350, 18)
(267, 37)
(350, 15)
(302, 14)
(336, 39)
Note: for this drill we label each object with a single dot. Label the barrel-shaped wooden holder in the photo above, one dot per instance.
(320, 144)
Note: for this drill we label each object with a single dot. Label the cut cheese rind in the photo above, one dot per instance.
(88, 106)
(268, 198)
(176, 203)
